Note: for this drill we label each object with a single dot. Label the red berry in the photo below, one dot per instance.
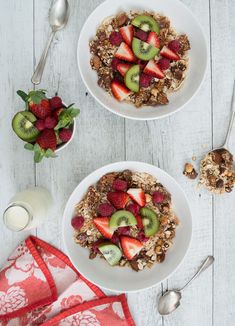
(95, 245)
(45, 103)
(105, 209)
(133, 208)
(77, 222)
(142, 35)
(115, 63)
(115, 38)
(141, 63)
(47, 139)
(65, 135)
(174, 45)
(50, 122)
(119, 184)
(56, 102)
(164, 63)
(124, 230)
(141, 236)
(145, 80)
(41, 110)
(40, 125)
(115, 238)
(158, 197)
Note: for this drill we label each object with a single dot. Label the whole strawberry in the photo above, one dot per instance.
(47, 139)
(41, 110)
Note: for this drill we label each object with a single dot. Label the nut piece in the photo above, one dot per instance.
(189, 171)
(95, 62)
(148, 198)
(121, 19)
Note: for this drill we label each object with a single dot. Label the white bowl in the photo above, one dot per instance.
(182, 20)
(121, 279)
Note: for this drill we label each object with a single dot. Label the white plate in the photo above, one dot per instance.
(182, 20)
(123, 279)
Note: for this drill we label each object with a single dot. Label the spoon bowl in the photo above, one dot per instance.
(169, 302)
(58, 14)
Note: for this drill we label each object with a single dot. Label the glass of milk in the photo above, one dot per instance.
(27, 209)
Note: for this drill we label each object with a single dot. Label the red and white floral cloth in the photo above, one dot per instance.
(40, 286)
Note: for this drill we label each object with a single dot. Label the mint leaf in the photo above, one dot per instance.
(38, 156)
(50, 153)
(29, 146)
(23, 95)
(37, 96)
(66, 118)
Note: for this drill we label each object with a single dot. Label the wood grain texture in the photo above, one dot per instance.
(102, 138)
(223, 74)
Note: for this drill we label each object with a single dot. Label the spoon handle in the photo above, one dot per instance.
(208, 262)
(226, 143)
(37, 76)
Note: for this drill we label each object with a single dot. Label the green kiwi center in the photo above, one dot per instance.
(144, 47)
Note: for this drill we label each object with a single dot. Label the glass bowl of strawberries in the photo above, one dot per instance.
(46, 124)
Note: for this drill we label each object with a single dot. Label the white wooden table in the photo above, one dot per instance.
(167, 143)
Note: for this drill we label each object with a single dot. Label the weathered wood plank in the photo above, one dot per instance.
(223, 72)
(16, 61)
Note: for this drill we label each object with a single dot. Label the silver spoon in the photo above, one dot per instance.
(58, 18)
(171, 299)
(225, 146)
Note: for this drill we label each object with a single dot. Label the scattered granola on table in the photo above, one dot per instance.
(139, 58)
(216, 171)
(127, 219)
(189, 171)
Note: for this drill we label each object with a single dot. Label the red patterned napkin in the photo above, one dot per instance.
(40, 286)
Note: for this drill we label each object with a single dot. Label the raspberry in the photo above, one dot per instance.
(119, 184)
(124, 230)
(145, 80)
(56, 102)
(141, 63)
(142, 35)
(115, 238)
(105, 209)
(50, 122)
(47, 139)
(77, 222)
(133, 208)
(95, 246)
(65, 135)
(158, 197)
(164, 63)
(174, 45)
(115, 62)
(141, 236)
(40, 125)
(115, 38)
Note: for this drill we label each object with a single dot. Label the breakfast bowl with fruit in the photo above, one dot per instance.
(127, 226)
(143, 60)
(46, 125)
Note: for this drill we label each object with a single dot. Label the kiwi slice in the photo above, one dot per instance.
(122, 218)
(150, 221)
(132, 78)
(110, 252)
(23, 126)
(146, 23)
(143, 50)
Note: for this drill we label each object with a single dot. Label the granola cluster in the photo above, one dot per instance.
(156, 93)
(216, 171)
(154, 247)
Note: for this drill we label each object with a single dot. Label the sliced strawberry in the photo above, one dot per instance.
(137, 195)
(123, 68)
(102, 224)
(153, 40)
(169, 54)
(130, 246)
(124, 52)
(127, 33)
(139, 221)
(153, 69)
(120, 92)
(118, 199)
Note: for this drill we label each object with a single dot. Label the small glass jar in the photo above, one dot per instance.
(27, 209)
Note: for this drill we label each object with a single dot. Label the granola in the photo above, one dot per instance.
(123, 68)
(216, 171)
(126, 218)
